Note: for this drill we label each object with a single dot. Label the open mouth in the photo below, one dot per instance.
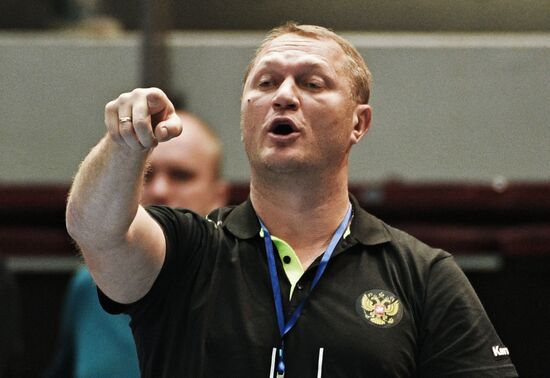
(282, 129)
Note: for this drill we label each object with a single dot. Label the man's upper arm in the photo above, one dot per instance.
(457, 336)
(126, 273)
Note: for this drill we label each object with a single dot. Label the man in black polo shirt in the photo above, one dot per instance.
(298, 281)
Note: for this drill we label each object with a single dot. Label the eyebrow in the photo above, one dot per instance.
(313, 68)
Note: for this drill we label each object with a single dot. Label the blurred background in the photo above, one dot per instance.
(457, 155)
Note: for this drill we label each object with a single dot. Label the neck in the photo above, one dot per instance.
(303, 211)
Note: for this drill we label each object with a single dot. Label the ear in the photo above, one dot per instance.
(361, 122)
(221, 193)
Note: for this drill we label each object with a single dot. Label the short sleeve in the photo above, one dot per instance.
(457, 338)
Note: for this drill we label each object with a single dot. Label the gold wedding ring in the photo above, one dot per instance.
(125, 119)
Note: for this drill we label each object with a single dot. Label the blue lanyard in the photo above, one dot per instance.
(284, 328)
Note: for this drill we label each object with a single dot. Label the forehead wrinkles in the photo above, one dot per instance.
(319, 53)
(288, 60)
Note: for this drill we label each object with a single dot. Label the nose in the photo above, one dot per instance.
(286, 96)
(158, 189)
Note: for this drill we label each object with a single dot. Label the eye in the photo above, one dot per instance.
(265, 80)
(313, 85)
(265, 83)
(181, 175)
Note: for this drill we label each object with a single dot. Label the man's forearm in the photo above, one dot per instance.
(122, 245)
(105, 195)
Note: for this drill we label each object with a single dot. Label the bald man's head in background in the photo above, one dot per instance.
(186, 171)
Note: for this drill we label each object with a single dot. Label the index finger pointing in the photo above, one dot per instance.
(158, 102)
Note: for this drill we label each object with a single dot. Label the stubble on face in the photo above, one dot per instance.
(326, 113)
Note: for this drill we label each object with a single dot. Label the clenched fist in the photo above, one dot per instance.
(141, 119)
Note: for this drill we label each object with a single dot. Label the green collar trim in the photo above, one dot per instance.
(291, 263)
(289, 259)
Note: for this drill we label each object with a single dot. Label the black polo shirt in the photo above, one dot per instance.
(386, 306)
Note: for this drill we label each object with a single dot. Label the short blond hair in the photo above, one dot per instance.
(355, 67)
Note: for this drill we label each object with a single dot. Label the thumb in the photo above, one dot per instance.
(168, 129)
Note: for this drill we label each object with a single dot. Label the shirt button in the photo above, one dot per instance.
(286, 259)
(299, 286)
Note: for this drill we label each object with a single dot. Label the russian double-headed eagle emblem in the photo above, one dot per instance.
(380, 308)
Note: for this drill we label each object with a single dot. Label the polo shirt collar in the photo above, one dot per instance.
(242, 221)
(365, 228)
